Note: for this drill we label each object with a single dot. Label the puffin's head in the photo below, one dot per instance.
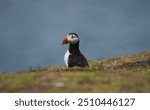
(71, 38)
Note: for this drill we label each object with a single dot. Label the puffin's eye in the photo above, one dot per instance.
(72, 37)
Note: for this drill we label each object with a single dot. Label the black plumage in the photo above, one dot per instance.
(76, 58)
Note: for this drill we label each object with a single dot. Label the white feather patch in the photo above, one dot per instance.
(66, 57)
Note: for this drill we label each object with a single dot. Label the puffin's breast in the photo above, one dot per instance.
(66, 57)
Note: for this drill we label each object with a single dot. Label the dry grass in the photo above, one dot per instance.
(141, 60)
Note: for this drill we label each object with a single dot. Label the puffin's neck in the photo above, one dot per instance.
(74, 48)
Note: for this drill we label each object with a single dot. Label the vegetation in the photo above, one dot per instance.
(121, 74)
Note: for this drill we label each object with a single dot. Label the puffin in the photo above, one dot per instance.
(73, 56)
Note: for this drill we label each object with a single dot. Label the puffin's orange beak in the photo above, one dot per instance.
(64, 41)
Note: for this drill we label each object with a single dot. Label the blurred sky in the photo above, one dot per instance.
(31, 30)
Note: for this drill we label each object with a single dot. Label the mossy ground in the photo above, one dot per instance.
(102, 76)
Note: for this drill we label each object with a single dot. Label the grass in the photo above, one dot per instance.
(125, 74)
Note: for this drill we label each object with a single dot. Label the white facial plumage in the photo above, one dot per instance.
(72, 38)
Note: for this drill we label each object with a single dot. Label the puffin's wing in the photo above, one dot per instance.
(77, 60)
